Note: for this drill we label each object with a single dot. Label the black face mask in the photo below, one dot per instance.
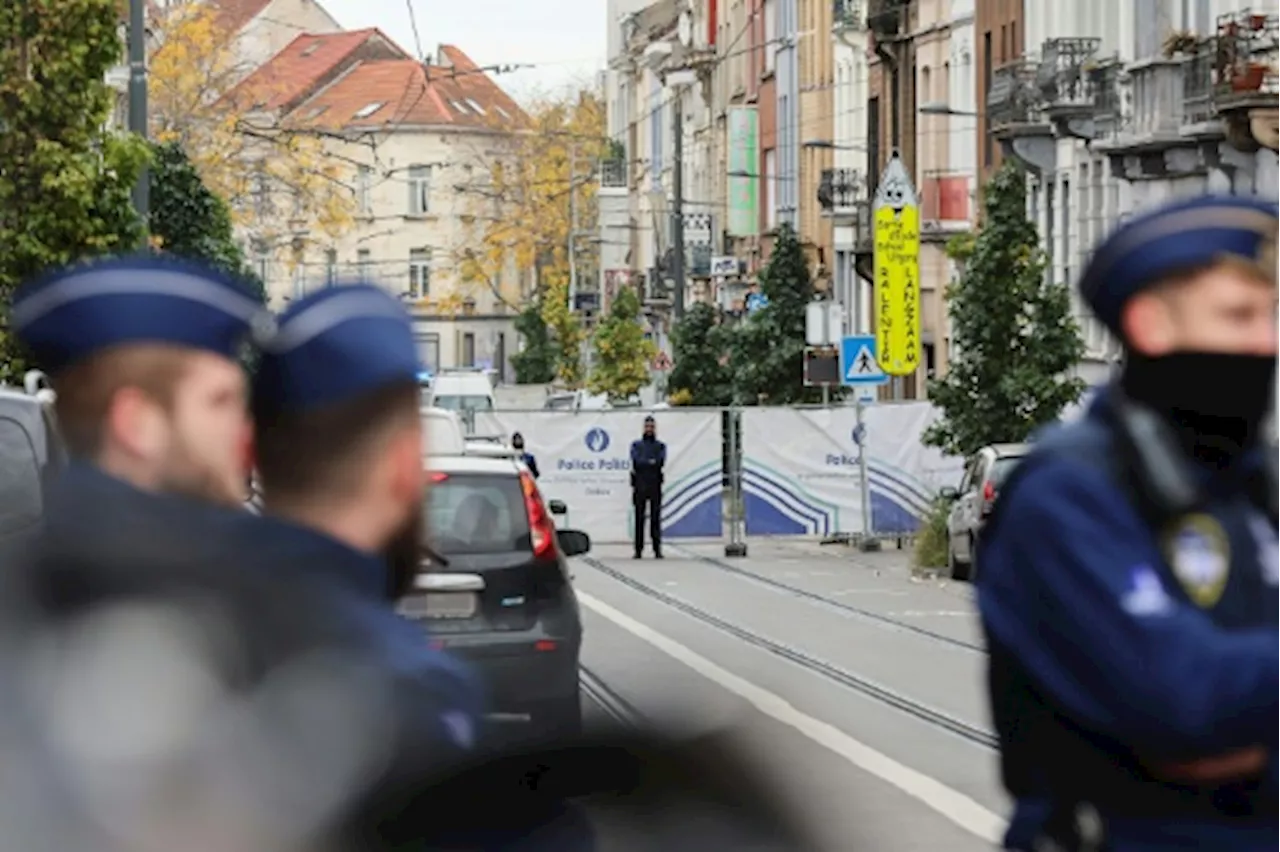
(1216, 401)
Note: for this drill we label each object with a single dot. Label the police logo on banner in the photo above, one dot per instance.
(1200, 557)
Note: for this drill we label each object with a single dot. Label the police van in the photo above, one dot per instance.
(495, 588)
(31, 455)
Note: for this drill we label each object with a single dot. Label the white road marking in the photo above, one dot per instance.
(892, 592)
(951, 804)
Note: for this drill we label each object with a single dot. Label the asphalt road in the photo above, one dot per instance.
(859, 688)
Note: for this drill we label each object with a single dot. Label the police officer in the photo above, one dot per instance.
(517, 443)
(1128, 575)
(338, 443)
(648, 458)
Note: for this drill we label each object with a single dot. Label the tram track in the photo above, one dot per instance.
(609, 700)
(878, 692)
(827, 603)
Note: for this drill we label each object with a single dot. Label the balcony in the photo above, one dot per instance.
(1150, 142)
(1014, 116)
(848, 15)
(1198, 76)
(613, 174)
(845, 198)
(1245, 81)
(888, 19)
(1072, 85)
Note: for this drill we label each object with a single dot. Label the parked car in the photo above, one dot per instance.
(495, 589)
(31, 455)
(461, 390)
(984, 473)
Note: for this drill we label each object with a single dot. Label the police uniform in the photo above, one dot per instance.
(648, 458)
(1128, 581)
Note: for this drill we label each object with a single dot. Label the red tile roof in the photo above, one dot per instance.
(308, 62)
(406, 92)
(235, 14)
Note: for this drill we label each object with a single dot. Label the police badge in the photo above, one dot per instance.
(1200, 556)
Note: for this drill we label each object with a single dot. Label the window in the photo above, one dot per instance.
(330, 267)
(1066, 230)
(476, 513)
(368, 109)
(298, 280)
(502, 112)
(770, 13)
(419, 190)
(468, 350)
(428, 349)
(926, 84)
(364, 265)
(364, 189)
(261, 192)
(988, 150)
(479, 110)
(770, 189)
(419, 273)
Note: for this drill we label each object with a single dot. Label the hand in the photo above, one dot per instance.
(1234, 765)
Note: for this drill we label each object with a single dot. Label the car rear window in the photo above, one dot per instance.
(1002, 468)
(21, 488)
(476, 513)
(454, 402)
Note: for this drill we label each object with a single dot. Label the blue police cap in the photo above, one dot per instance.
(1175, 238)
(68, 315)
(334, 345)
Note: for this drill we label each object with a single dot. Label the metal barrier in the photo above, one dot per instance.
(740, 472)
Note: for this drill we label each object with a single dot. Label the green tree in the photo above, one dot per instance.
(1015, 337)
(767, 352)
(535, 364)
(65, 180)
(189, 220)
(622, 351)
(700, 375)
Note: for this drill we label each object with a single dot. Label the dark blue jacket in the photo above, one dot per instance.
(647, 461)
(531, 462)
(1106, 662)
(281, 596)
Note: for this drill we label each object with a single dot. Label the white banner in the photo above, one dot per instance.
(584, 458)
(800, 469)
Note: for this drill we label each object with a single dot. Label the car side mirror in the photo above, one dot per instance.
(949, 494)
(557, 507)
(573, 542)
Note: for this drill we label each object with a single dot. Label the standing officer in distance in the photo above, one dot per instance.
(648, 457)
(1128, 582)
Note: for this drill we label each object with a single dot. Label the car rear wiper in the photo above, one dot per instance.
(430, 552)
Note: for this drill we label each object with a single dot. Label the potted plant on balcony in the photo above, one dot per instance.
(1249, 77)
(1181, 43)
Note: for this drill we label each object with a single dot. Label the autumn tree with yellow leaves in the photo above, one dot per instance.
(277, 180)
(523, 210)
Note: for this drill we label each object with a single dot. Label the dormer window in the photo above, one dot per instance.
(369, 109)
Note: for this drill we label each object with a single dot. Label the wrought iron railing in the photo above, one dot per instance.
(1106, 79)
(849, 14)
(613, 173)
(1197, 82)
(840, 189)
(1062, 76)
(1012, 96)
(886, 18)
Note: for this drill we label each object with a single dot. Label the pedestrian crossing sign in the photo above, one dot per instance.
(858, 364)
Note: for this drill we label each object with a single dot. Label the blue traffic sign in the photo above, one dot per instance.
(756, 301)
(858, 364)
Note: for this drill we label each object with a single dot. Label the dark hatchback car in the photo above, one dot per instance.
(495, 590)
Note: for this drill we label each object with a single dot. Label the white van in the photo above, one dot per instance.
(460, 391)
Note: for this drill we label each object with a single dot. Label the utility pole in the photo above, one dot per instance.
(677, 209)
(138, 97)
(573, 225)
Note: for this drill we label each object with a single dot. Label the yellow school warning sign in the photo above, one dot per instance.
(897, 271)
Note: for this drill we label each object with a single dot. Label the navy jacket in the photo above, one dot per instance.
(1115, 650)
(275, 601)
(647, 461)
(531, 462)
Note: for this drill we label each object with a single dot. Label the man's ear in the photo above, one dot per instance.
(136, 424)
(404, 454)
(1148, 326)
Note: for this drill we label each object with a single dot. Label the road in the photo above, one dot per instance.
(861, 687)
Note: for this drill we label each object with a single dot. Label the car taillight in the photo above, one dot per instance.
(542, 531)
(439, 477)
(989, 491)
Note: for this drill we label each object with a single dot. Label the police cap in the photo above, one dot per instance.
(1175, 238)
(337, 344)
(72, 313)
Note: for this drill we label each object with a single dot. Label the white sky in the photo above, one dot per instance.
(565, 39)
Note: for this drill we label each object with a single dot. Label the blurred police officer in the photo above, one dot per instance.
(339, 452)
(648, 458)
(1128, 576)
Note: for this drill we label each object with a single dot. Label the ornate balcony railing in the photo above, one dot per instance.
(1245, 60)
(1198, 82)
(887, 18)
(1013, 94)
(1062, 75)
(848, 14)
(613, 173)
(840, 189)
